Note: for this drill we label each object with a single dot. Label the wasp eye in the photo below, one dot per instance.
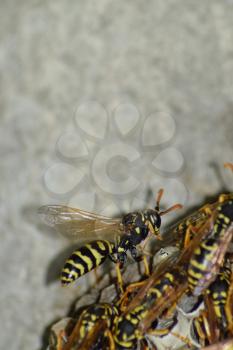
(155, 220)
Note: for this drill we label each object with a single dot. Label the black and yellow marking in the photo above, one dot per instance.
(224, 219)
(160, 287)
(218, 293)
(204, 262)
(92, 330)
(126, 330)
(126, 333)
(92, 314)
(200, 330)
(202, 258)
(85, 259)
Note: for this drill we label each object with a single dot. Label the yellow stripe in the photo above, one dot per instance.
(77, 266)
(192, 282)
(71, 273)
(218, 312)
(155, 291)
(195, 274)
(65, 279)
(96, 254)
(208, 248)
(85, 258)
(199, 266)
(169, 276)
(101, 245)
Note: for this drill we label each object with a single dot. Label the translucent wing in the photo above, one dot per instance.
(81, 225)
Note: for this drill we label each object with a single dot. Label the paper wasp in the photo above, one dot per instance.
(159, 293)
(113, 237)
(212, 325)
(156, 290)
(209, 255)
(92, 330)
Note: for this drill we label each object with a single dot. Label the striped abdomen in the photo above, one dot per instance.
(93, 314)
(218, 294)
(125, 331)
(201, 265)
(85, 259)
(160, 287)
(208, 256)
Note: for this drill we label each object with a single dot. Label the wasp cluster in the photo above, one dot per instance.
(194, 285)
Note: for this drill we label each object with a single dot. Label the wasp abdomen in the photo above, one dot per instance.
(126, 332)
(85, 259)
(92, 314)
(199, 270)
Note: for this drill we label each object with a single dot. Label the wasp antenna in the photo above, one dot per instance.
(158, 199)
(229, 166)
(174, 207)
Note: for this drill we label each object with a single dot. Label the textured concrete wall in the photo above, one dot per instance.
(75, 76)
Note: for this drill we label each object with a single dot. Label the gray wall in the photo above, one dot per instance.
(164, 67)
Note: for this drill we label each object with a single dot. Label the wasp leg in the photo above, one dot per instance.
(188, 235)
(119, 261)
(183, 339)
(110, 340)
(140, 257)
(135, 254)
(146, 266)
(61, 340)
(129, 289)
(119, 277)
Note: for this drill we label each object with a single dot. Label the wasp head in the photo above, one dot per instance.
(154, 220)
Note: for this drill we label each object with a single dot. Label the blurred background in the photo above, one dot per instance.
(101, 104)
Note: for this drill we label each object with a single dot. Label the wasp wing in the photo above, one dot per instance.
(81, 225)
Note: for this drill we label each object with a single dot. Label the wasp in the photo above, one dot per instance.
(185, 230)
(218, 293)
(209, 255)
(126, 332)
(158, 294)
(113, 237)
(92, 330)
(213, 323)
(137, 318)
